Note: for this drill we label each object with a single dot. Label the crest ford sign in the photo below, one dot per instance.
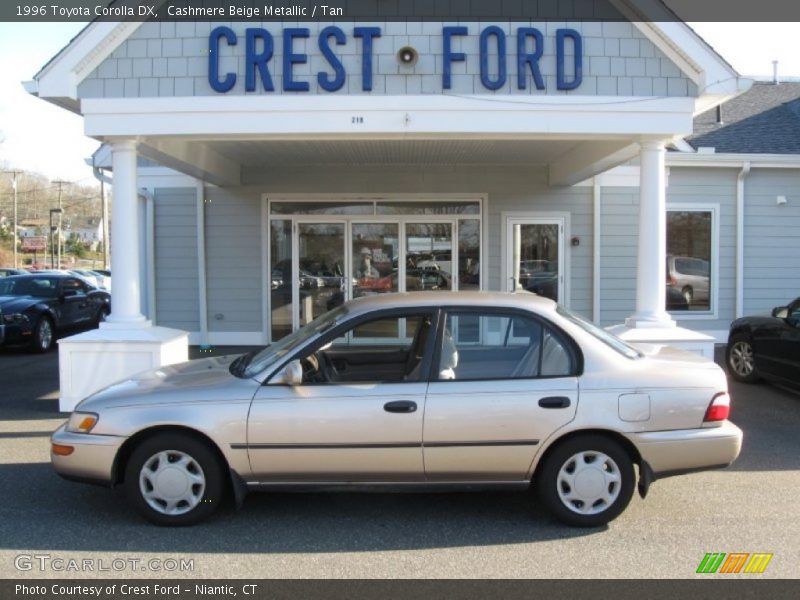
(524, 46)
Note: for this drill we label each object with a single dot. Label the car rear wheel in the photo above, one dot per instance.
(688, 295)
(740, 359)
(586, 481)
(43, 335)
(174, 479)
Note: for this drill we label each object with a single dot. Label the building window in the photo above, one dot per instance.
(691, 257)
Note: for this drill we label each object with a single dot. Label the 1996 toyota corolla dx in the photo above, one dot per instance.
(428, 390)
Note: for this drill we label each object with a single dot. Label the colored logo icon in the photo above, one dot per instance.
(735, 562)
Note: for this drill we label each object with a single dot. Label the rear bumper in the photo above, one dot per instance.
(688, 450)
(92, 459)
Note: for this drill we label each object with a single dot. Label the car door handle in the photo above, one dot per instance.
(400, 406)
(554, 402)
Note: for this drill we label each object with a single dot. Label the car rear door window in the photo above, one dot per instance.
(480, 346)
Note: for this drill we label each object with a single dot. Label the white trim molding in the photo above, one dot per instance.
(312, 117)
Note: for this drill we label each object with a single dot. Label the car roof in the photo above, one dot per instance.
(57, 274)
(522, 299)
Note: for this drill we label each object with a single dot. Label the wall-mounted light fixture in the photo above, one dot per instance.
(781, 200)
(407, 56)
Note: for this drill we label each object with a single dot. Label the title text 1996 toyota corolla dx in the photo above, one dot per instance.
(428, 390)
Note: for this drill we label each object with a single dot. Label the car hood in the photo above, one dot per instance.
(205, 379)
(12, 304)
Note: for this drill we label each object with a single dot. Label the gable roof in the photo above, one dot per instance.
(763, 120)
(57, 82)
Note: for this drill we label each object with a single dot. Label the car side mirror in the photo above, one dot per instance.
(780, 312)
(290, 374)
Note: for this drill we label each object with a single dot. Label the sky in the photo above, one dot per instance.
(41, 137)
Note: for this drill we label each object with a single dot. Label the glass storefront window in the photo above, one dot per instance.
(689, 242)
(321, 208)
(428, 208)
(334, 253)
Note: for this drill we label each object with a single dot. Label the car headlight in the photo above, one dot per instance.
(81, 422)
(15, 318)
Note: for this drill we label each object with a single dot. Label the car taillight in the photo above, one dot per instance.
(671, 280)
(719, 409)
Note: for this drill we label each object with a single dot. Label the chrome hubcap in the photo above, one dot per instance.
(589, 482)
(741, 358)
(172, 482)
(45, 334)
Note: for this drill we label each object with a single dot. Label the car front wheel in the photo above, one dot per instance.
(740, 359)
(586, 481)
(174, 479)
(43, 335)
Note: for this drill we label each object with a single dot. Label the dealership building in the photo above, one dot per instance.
(264, 172)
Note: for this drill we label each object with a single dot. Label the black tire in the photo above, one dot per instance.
(547, 480)
(44, 335)
(174, 445)
(738, 353)
(102, 315)
(688, 295)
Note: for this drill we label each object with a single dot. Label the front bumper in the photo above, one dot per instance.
(92, 459)
(687, 450)
(15, 333)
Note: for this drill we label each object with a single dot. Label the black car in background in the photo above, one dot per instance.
(36, 308)
(766, 347)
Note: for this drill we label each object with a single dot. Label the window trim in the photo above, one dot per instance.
(572, 347)
(713, 296)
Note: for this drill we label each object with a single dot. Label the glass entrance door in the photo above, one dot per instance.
(320, 269)
(429, 256)
(375, 252)
(535, 256)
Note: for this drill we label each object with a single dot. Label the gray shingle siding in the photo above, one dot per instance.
(772, 239)
(175, 241)
(618, 60)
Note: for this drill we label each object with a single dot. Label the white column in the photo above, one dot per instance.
(651, 266)
(126, 300)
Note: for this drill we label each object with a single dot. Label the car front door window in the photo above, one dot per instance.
(389, 349)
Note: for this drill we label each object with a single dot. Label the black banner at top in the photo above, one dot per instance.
(33, 11)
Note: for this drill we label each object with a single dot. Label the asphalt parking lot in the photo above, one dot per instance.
(752, 506)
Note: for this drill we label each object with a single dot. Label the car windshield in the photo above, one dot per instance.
(601, 334)
(41, 287)
(249, 365)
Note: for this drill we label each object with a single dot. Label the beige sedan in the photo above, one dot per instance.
(427, 390)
